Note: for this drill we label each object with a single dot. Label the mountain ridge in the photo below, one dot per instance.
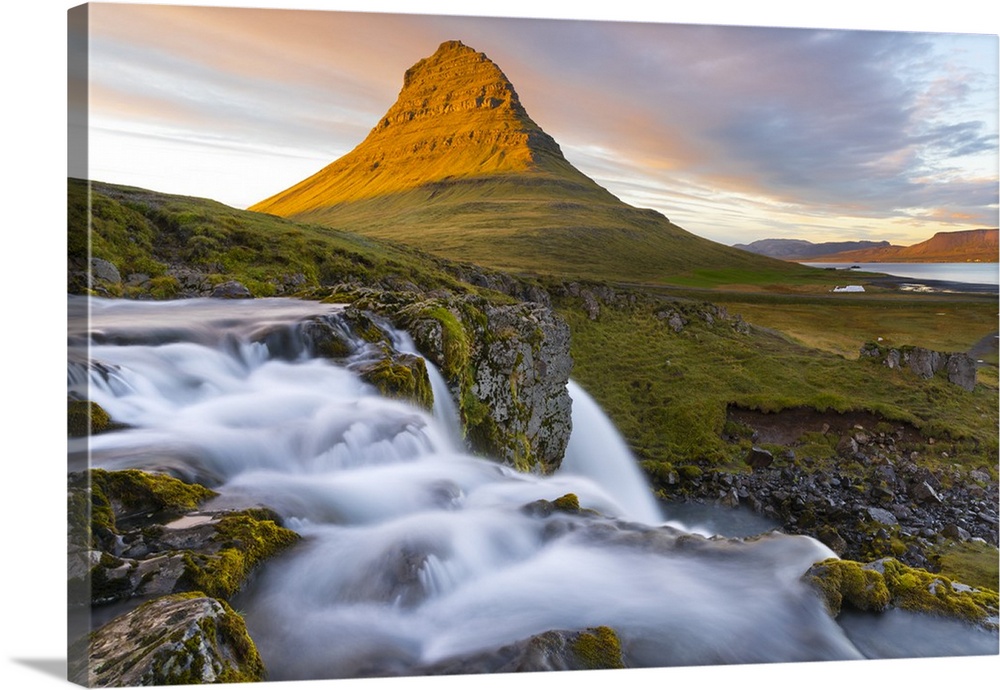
(982, 244)
(794, 249)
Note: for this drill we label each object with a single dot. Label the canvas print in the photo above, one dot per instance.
(405, 345)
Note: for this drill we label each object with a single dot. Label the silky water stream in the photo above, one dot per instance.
(415, 552)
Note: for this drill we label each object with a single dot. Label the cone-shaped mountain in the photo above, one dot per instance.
(457, 167)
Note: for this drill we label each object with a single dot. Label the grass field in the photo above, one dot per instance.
(668, 392)
(841, 323)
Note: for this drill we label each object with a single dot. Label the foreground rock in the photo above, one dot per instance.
(173, 640)
(145, 537)
(136, 536)
(555, 650)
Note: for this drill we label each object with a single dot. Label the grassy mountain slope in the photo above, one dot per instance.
(539, 224)
(153, 238)
(457, 167)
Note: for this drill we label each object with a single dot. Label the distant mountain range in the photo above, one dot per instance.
(800, 250)
(958, 246)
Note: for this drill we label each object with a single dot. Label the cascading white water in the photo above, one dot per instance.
(596, 450)
(415, 552)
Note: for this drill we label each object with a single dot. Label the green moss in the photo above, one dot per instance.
(689, 472)
(403, 377)
(363, 326)
(919, 590)
(246, 539)
(973, 563)
(599, 648)
(848, 582)
(568, 503)
(139, 491)
(94, 496)
(164, 287)
(85, 418)
(233, 630)
(887, 582)
(455, 342)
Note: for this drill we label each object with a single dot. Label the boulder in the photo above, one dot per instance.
(401, 376)
(758, 458)
(105, 271)
(961, 370)
(231, 289)
(173, 640)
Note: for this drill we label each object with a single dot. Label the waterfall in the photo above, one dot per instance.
(596, 450)
(414, 552)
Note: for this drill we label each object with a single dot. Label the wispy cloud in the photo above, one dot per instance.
(869, 129)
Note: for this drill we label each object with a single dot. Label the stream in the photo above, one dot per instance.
(414, 551)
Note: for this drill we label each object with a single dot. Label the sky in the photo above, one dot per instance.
(735, 133)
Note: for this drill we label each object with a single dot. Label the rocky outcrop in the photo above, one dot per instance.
(173, 640)
(136, 534)
(886, 583)
(508, 366)
(506, 363)
(959, 367)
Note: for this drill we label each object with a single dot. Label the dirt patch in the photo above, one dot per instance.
(787, 426)
(985, 347)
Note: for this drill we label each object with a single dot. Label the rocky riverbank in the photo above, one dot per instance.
(864, 487)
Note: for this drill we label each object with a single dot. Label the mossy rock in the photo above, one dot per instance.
(849, 583)
(400, 376)
(177, 639)
(364, 327)
(568, 503)
(133, 492)
(85, 418)
(878, 585)
(246, 538)
(98, 499)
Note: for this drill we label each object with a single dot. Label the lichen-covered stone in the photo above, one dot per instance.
(850, 583)
(242, 541)
(959, 367)
(886, 582)
(401, 376)
(174, 640)
(507, 365)
(126, 538)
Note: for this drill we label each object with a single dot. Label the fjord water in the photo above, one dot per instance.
(972, 273)
(414, 551)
